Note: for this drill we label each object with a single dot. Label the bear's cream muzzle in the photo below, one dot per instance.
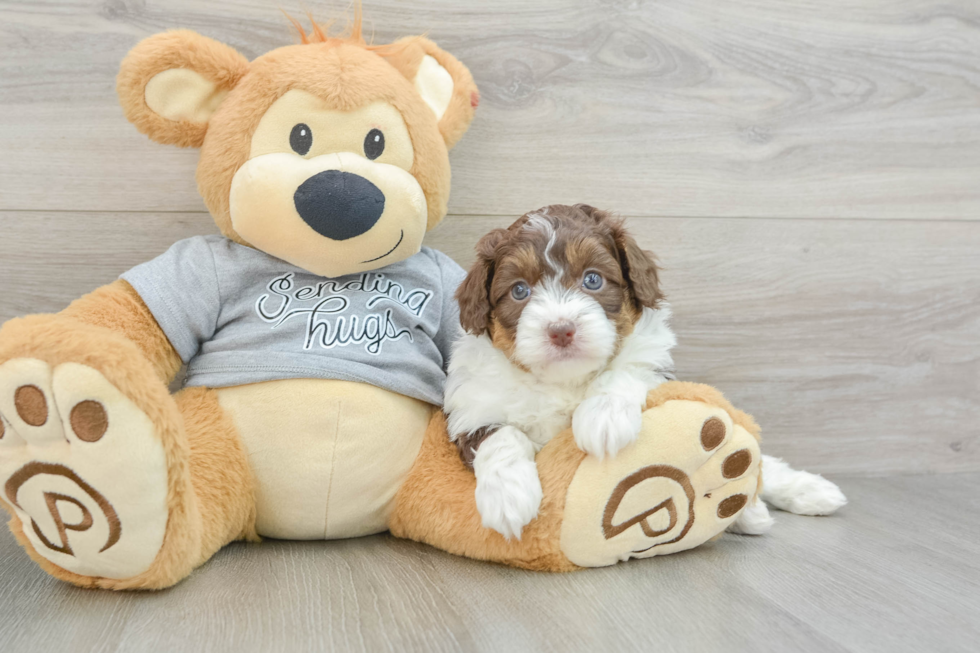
(331, 215)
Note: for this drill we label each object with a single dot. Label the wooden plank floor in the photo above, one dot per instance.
(844, 108)
(808, 172)
(896, 570)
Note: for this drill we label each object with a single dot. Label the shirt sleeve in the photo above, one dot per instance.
(449, 329)
(180, 287)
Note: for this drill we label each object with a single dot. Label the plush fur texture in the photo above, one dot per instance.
(406, 56)
(465, 99)
(436, 503)
(57, 340)
(120, 309)
(322, 66)
(211, 97)
(177, 49)
(209, 482)
(320, 70)
(220, 472)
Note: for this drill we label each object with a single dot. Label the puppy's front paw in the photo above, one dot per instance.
(604, 424)
(508, 496)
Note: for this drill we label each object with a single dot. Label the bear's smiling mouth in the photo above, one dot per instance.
(378, 258)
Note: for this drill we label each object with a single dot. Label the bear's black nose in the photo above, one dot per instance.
(339, 205)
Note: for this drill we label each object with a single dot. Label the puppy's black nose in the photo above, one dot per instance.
(339, 205)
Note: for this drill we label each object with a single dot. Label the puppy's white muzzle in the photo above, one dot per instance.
(563, 333)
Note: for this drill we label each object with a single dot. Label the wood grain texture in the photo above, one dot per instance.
(855, 343)
(675, 108)
(895, 571)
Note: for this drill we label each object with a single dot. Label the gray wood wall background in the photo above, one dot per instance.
(808, 172)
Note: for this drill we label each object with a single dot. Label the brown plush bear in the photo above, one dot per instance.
(315, 331)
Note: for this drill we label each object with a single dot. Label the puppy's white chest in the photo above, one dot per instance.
(547, 413)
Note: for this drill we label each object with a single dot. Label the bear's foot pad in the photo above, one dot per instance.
(81, 468)
(685, 480)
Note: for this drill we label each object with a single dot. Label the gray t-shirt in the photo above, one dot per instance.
(237, 315)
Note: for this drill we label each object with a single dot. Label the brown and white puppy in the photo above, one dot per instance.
(566, 325)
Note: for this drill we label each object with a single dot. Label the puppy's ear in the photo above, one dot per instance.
(473, 295)
(444, 83)
(171, 83)
(639, 268)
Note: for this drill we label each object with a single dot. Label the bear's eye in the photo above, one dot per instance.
(301, 138)
(592, 281)
(374, 144)
(520, 291)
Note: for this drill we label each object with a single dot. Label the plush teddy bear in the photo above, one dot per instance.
(315, 330)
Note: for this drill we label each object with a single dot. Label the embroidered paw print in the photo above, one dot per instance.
(687, 477)
(81, 468)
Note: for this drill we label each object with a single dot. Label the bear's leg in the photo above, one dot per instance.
(693, 469)
(219, 470)
(110, 481)
(436, 505)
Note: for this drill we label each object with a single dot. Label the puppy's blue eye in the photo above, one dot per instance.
(520, 291)
(592, 281)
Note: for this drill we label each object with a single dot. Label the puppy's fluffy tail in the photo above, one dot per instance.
(797, 491)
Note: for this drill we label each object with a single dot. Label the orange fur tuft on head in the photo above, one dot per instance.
(320, 33)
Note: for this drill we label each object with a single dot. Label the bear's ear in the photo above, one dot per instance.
(171, 83)
(444, 83)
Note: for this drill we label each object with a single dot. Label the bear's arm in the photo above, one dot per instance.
(119, 308)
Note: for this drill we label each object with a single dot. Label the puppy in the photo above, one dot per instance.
(565, 325)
